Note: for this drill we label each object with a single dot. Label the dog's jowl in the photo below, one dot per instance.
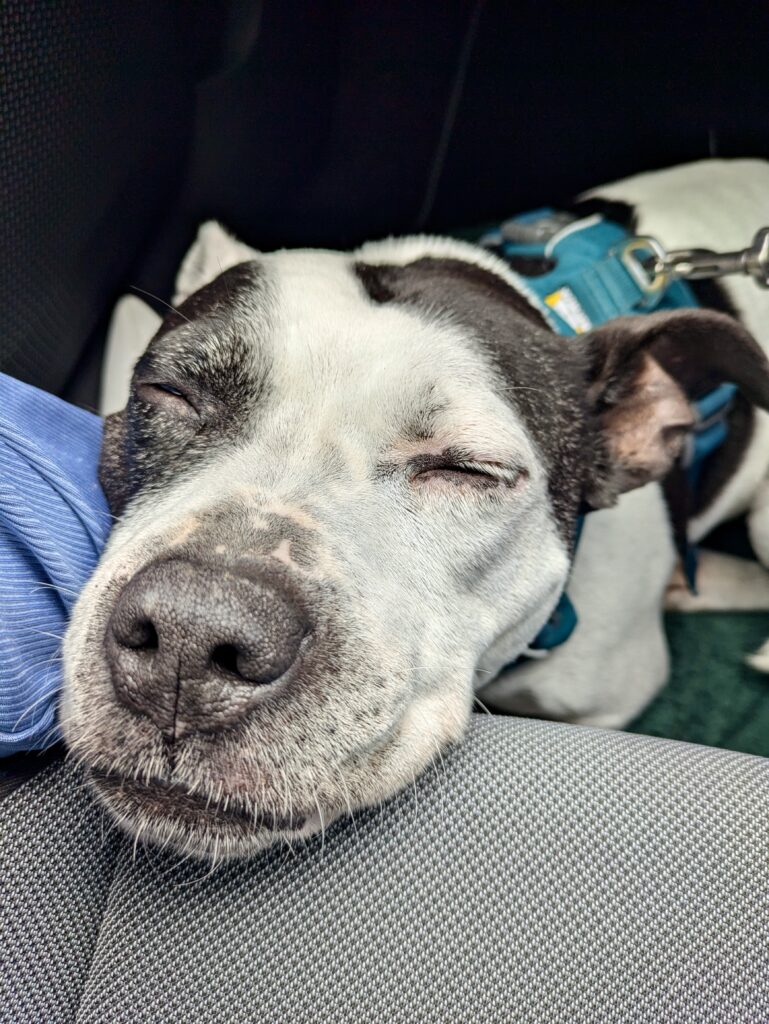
(346, 489)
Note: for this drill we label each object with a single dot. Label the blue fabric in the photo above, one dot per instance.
(54, 523)
(710, 430)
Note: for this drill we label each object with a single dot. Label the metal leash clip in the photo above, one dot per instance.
(653, 268)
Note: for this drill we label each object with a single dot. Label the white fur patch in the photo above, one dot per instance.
(758, 521)
(760, 660)
(724, 583)
(616, 659)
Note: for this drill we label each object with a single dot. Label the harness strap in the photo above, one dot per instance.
(597, 271)
(710, 431)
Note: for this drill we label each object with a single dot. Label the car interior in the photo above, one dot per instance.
(543, 872)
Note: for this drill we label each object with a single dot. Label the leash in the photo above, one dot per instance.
(587, 271)
(700, 264)
(580, 273)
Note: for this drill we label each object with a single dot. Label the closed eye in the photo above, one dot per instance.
(166, 396)
(170, 389)
(467, 474)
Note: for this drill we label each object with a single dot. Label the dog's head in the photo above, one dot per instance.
(346, 488)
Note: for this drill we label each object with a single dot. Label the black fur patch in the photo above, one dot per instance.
(207, 349)
(712, 295)
(389, 283)
(614, 210)
(720, 467)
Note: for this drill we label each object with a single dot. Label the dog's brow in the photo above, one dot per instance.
(421, 425)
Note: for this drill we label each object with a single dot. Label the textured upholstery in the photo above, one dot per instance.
(545, 873)
(95, 103)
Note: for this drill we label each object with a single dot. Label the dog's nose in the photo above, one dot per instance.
(193, 647)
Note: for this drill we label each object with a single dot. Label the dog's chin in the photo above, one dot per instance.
(210, 819)
(205, 828)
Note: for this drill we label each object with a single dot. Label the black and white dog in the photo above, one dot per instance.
(346, 488)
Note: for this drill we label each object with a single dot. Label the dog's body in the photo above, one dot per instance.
(348, 486)
(617, 660)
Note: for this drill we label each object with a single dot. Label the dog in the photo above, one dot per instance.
(346, 488)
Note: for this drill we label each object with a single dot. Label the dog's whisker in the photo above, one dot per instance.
(151, 295)
(30, 708)
(136, 841)
(347, 801)
(439, 772)
(524, 387)
(477, 700)
(57, 588)
(45, 632)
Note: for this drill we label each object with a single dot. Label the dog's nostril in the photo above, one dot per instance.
(142, 636)
(225, 656)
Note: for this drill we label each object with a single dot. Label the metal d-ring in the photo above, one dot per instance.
(651, 278)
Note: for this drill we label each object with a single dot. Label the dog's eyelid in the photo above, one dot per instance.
(171, 390)
(454, 468)
(166, 394)
(506, 474)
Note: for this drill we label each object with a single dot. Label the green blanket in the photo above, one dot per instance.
(713, 697)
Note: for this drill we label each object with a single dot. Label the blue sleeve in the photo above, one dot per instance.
(54, 523)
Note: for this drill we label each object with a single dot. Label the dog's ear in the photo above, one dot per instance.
(213, 251)
(643, 373)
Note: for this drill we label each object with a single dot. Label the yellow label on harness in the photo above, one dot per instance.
(566, 304)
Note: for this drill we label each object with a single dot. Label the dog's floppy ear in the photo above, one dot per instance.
(213, 251)
(643, 372)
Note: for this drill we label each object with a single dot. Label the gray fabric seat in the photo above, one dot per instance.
(542, 873)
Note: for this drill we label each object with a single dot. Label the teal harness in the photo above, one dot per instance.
(583, 273)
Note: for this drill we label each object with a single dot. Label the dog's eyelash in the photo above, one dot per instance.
(490, 469)
(487, 473)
